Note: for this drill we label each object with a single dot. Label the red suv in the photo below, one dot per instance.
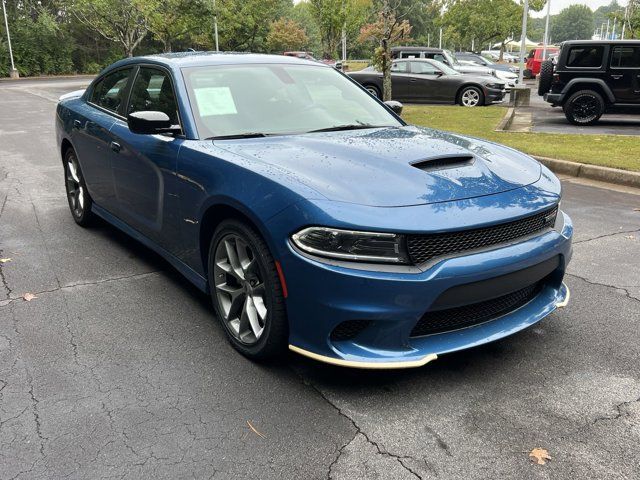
(534, 60)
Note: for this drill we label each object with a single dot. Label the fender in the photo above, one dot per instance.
(597, 81)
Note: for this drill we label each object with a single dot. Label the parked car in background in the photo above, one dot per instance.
(421, 80)
(315, 218)
(592, 77)
(495, 56)
(308, 56)
(535, 59)
(507, 73)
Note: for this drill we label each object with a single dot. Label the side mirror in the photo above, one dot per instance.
(396, 107)
(150, 123)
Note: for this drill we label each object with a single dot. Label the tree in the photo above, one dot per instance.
(389, 28)
(243, 25)
(173, 20)
(332, 16)
(119, 21)
(286, 35)
(573, 23)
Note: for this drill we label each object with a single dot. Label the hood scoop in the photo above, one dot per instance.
(443, 162)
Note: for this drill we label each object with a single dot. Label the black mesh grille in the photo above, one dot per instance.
(474, 314)
(349, 329)
(427, 247)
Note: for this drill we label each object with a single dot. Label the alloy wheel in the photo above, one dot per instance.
(75, 190)
(470, 98)
(585, 109)
(240, 289)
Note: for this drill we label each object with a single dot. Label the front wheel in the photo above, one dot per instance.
(584, 107)
(246, 291)
(77, 195)
(373, 90)
(471, 97)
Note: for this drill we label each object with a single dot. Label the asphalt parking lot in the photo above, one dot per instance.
(118, 369)
(547, 119)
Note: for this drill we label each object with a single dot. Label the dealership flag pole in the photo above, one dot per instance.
(14, 72)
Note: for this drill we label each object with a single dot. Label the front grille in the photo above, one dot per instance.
(468, 315)
(423, 248)
(349, 329)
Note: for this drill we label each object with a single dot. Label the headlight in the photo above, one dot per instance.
(498, 86)
(351, 245)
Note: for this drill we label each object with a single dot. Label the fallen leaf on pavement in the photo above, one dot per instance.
(630, 237)
(28, 297)
(539, 455)
(253, 429)
(5, 260)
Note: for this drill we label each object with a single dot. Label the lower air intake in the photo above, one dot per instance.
(469, 315)
(349, 329)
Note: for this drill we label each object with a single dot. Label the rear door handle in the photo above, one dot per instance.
(616, 77)
(115, 146)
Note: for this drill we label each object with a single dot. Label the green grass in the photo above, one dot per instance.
(616, 151)
(355, 66)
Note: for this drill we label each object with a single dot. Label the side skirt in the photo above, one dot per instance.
(194, 277)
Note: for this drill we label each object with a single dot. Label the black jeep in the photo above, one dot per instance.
(592, 77)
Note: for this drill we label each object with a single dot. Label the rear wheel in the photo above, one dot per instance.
(373, 90)
(246, 291)
(584, 107)
(471, 97)
(545, 78)
(77, 195)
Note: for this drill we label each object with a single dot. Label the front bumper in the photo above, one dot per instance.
(322, 296)
(493, 95)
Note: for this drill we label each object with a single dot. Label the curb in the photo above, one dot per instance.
(506, 121)
(593, 172)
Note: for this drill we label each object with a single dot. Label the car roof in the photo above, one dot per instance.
(601, 42)
(199, 59)
(418, 49)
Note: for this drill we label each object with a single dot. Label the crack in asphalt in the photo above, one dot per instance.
(5, 284)
(36, 416)
(621, 232)
(82, 284)
(598, 284)
(619, 412)
(358, 431)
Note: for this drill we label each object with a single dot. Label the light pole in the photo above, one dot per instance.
(546, 31)
(523, 41)
(215, 26)
(13, 73)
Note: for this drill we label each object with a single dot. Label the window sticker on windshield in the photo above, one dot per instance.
(215, 101)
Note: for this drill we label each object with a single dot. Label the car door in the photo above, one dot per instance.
(400, 78)
(425, 83)
(144, 166)
(91, 134)
(624, 75)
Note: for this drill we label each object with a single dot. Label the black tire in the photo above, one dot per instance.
(274, 337)
(473, 93)
(373, 90)
(77, 194)
(584, 107)
(546, 77)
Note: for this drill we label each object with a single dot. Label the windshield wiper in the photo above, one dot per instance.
(238, 135)
(355, 126)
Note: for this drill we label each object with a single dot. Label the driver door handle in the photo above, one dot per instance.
(77, 123)
(616, 77)
(115, 147)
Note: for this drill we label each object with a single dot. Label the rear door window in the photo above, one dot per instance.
(109, 93)
(400, 67)
(585, 56)
(423, 68)
(625, 57)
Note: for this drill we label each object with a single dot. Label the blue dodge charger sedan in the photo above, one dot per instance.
(313, 215)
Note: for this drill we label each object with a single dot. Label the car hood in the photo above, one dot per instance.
(473, 69)
(396, 166)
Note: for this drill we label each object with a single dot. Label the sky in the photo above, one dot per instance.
(557, 5)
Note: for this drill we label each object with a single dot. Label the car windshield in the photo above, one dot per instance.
(450, 57)
(444, 67)
(278, 99)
